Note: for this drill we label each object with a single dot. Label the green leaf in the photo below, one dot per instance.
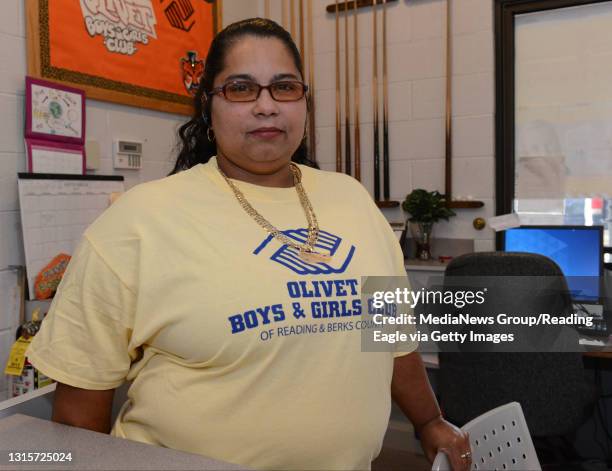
(426, 206)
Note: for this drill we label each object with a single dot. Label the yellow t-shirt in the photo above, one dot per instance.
(236, 348)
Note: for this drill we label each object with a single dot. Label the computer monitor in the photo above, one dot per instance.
(578, 250)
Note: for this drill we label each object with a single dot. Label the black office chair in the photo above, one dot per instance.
(552, 387)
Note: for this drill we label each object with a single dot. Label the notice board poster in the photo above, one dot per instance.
(146, 53)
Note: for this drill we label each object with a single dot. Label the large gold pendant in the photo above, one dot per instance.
(314, 257)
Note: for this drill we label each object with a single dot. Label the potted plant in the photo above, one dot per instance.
(425, 209)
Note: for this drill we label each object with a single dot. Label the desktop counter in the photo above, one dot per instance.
(88, 450)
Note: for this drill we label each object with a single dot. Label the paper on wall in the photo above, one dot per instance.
(506, 221)
(56, 161)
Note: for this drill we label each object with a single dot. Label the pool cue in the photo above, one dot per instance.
(267, 8)
(338, 130)
(218, 12)
(301, 23)
(386, 162)
(347, 100)
(356, 88)
(284, 14)
(375, 105)
(311, 80)
(292, 17)
(448, 176)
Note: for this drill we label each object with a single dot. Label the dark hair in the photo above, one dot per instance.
(194, 146)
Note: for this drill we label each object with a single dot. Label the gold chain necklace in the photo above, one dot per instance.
(306, 251)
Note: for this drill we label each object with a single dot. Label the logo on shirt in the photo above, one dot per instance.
(326, 242)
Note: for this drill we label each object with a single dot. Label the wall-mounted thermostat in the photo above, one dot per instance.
(127, 154)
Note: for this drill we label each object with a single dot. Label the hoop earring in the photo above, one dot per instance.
(210, 135)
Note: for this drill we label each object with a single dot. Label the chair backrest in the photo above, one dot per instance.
(500, 440)
(471, 383)
(502, 264)
(518, 284)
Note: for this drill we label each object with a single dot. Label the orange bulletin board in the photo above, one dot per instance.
(137, 52)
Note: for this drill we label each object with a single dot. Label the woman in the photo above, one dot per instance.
(242, 341)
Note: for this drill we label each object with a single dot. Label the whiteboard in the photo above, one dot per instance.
(55, 211)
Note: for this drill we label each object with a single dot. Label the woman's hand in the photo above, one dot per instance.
(440, 435)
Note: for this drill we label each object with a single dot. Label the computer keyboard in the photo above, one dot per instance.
(600, 327)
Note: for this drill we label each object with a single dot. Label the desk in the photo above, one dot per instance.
(598, 354)
(92, 450)
(430, 360)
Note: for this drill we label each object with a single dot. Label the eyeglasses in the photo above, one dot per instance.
(244, 90)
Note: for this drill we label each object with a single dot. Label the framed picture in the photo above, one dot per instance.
(145, 53)
(54, 112)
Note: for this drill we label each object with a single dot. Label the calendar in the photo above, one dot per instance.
(56, 210)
